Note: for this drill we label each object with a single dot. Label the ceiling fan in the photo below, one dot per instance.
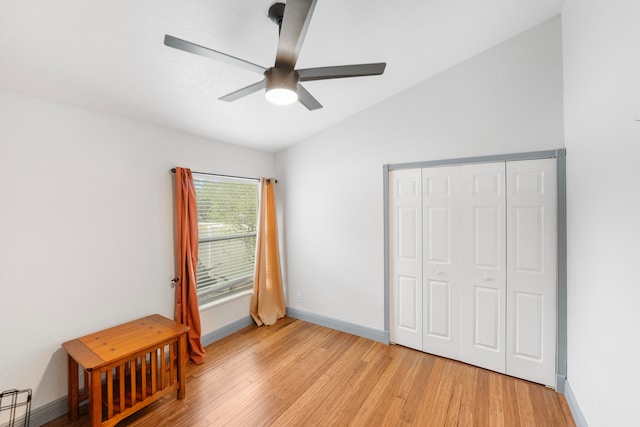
(281, 82)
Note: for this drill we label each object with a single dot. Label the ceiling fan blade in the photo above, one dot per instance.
(341, 71)
(307, 99)
(248, 90)
(297, 15)
(186, 46)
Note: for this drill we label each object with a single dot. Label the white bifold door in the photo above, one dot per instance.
(484, 272)
(473, 264)
(442, 264)
(532, 270)
(406, 257)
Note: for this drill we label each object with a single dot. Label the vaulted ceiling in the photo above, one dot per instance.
(109, 56)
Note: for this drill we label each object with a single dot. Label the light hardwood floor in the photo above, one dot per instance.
(299, 374)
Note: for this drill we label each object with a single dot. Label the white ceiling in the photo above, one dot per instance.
(109, 56)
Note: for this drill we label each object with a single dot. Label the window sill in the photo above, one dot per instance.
(225, 300)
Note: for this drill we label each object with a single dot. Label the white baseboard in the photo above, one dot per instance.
(573, 405)
(49, 412)
(350, 328)
(226, 330)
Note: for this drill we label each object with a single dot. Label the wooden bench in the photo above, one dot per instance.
(126, 368)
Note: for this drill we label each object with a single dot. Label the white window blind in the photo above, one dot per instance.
(227, 221)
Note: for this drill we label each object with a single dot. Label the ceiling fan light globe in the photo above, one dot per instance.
(281, 86)
(281, 96)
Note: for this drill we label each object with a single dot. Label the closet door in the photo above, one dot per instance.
(405, 219)
(441, 261)
(531, 270)
(483, 287)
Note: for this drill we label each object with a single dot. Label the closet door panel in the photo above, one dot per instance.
(437, 310)
(531, 269)
(483, 251)
(528, 313)
(486, 318)
(440, 261)
(405, 218)
(438, 232)
(487, 245)
(408, 310)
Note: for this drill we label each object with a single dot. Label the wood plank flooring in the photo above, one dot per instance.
(299, 374)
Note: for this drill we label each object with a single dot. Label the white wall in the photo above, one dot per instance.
(602, 101)
(505, 100)
(86, 230)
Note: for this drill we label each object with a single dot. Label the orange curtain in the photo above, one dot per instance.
(267, 303)
(187, 311)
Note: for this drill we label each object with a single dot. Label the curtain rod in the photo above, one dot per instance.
(225, 176)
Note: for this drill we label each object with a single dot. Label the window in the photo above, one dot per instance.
(227, 222)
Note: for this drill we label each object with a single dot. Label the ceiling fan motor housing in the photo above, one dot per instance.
(281, 78)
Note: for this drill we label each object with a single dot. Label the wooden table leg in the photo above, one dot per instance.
(182, 360)
(95, 399)
(72, 374)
